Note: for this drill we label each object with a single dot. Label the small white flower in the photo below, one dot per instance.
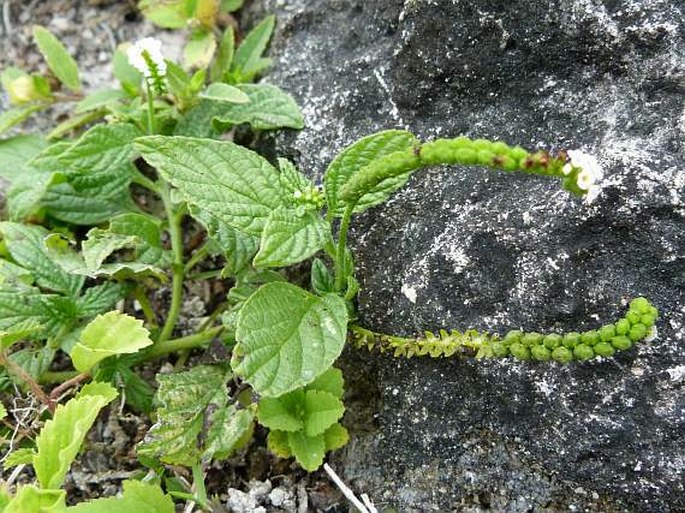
(297, 194)
(591, 171)
(144, 53)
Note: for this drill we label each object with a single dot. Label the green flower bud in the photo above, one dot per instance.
(562, 355)
(518, 153)
(500, 148)
(482, 144)
(647, 319)
(606, 333)
(621, 342)
(485, 157)
(552, 340)
(540, 353)
(571, 340)
(640, 305)
(637, 332)
(623, 327)
(604, 349)
(590, 338)
(654, 312)
(512, 337)
(465, 156)
(531, 339)
(519, 351)
(583, 352)
(633, 317)
(499, 350)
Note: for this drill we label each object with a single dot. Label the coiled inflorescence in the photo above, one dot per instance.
(638, 324)
(463, 151)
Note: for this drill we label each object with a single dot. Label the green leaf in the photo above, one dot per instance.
(291, 179)
(322, 410)
(336, 437)
(102, 243)
(232, 183)
(99, 99)
(59, 61)
(138, 497)
(25, 244)
(269, 107)
(178, 436)
(224, 93)
(330, 381)
(74, 122)
(281, 413)
(229, 429)
(14, 277)
(148, 232)
(289, 238)
(100, 298)
(17, 115)
(60, 439)
(165, 13)
(247, 61)
(288, 337)
(237, 247)
(22, 456)
(231, 5)
(322, 280)
(15, 152)
(277, 443)
(3, 411)
(309, 451)
(128, 76)
(357, 156)
(34, 500)
(109, 334)
(224, 56)
(199, 51)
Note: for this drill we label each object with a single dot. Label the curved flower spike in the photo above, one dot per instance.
(146, 56)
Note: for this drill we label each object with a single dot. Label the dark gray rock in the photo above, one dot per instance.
(462, 248)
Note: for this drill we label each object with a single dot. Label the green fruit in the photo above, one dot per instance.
(512, 337)
(604, 349)
(540, 353)
(552, 340)
(499, 349)
(583, 352)
(637, 332)
(640, 305)
(519, 351)
(633, 317)
(606, 333)
(648, 320)
(621, 342)
(531, 339)
(562, 355)
(589, 338)
(571, 340)
(622, 327)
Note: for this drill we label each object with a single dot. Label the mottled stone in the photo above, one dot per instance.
(462, 248)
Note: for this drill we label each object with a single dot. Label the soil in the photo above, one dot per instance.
(251, 481)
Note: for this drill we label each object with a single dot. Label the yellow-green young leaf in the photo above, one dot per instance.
(137, 498)
(268, 108)
(224, 56)
(59, 61)
(3, 411)
(230, 182)
(224, 93)
(309, 451)
(355, 157)
(280, 413)
(165, 13)
(106, 335)
(289, 238)
(199, 51)
(322, 410)
(277, 443)
(30, 499)
(330, 381)
(206, 11)
(23, 456)
(336, 437)
(188, 402)
(60, 440)
(288, 337)
(248, 61)
(231, 5)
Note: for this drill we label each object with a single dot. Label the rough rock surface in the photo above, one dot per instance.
(472, 248)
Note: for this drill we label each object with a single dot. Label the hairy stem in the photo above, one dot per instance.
(340, 252)
(165, 347)
(16, 370)
(52, 377)
(198, 255)
(151, 128)
(199, 485)
(177, 266)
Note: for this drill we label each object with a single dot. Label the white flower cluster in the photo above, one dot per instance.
(591, 172)
(145, 52)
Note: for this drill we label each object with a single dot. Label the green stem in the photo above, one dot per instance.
(199, 485)
(177, 267)
(342, 243)
(206, 275)
(146, 306)
(198, 255)
(165, 347)
(151, 128)
(51, 377)
(142, 180)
